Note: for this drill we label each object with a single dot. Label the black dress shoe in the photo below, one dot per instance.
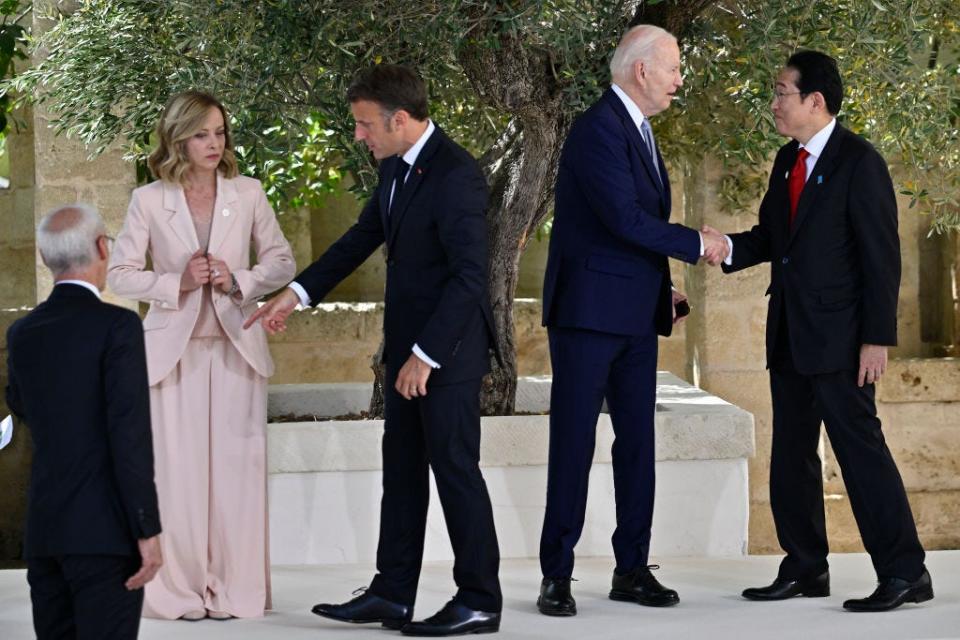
(783, 588)
(455, 619)
(555, 598)
(365, 609)
(641, 587)
(893, 592)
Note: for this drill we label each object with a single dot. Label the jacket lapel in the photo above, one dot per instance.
(415, 178)
(224, 213)
(179, 219)
(636, 139)
(814, 185)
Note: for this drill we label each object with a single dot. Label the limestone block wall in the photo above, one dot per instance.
(17, 279)
(335, 342)
(919, 404)
(64, 172)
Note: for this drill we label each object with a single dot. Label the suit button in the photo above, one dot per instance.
(785, 260)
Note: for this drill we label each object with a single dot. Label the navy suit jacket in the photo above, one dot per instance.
(78, 379)
(436, 235)
(835, 276)
(607, 267)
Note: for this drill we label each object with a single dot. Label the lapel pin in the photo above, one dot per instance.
(226, 212)
(786, 176)
(419, 171)
(819, 179)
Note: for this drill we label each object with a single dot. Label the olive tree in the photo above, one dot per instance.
(506, 78)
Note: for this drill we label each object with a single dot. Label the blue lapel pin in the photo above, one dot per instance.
(819, 179)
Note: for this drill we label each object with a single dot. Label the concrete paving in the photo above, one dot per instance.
(710, 605)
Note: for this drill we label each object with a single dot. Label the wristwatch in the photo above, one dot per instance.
(234, 287)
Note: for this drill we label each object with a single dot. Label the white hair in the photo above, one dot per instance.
(67, 236)
(636, 44)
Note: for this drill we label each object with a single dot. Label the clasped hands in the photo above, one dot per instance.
(203, 268)
(715, 246)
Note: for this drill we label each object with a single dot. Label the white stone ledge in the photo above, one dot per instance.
(690, 425)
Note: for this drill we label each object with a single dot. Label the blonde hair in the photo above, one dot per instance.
(183, 116)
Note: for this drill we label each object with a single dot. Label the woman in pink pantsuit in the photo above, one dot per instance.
(208, 377)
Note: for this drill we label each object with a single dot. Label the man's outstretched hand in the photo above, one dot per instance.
(273, 315)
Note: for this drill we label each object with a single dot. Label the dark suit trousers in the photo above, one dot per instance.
(874, 486)
(441, 431)
(83, 597)
(588, 366)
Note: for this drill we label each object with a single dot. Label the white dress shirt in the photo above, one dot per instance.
(410, 157)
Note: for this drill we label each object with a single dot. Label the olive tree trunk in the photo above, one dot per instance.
(521, 80)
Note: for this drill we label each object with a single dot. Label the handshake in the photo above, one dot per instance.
(715, 246)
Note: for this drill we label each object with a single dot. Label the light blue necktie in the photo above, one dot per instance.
(651, 144)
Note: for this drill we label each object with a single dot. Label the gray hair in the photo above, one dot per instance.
(636, 44)
(67, 236)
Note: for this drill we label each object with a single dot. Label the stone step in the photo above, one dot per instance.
(325, 476)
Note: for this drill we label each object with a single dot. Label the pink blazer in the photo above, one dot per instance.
(158, 221)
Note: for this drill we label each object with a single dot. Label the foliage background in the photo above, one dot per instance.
(282, 67)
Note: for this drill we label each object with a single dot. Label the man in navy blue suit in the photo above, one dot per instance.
(606, 295)
(428, 209)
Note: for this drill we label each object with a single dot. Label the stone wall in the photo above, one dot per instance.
(17, 272)
(336, 342)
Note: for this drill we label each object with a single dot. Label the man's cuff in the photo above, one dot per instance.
(417, 351)
(301, 293)
(729, 259)
(703, 249)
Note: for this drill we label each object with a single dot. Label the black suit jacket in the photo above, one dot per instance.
(835, 276)
(78, 379)
(436, 294)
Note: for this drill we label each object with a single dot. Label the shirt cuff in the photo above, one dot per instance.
(729, 259)
(702, 248)
(301, 293)
(417, 351)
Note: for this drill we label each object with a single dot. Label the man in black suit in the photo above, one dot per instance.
(429, 209)
(78, 379)
(828, 226)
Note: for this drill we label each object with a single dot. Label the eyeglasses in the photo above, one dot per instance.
(778, 96)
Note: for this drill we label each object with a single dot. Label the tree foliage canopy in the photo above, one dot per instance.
(282, 67)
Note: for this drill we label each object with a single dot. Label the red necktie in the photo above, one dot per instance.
(798, 176)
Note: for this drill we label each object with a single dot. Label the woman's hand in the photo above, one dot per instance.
(220, 273)
(197, 272)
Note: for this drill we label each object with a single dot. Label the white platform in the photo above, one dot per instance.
(710, 606)
(325, 477)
